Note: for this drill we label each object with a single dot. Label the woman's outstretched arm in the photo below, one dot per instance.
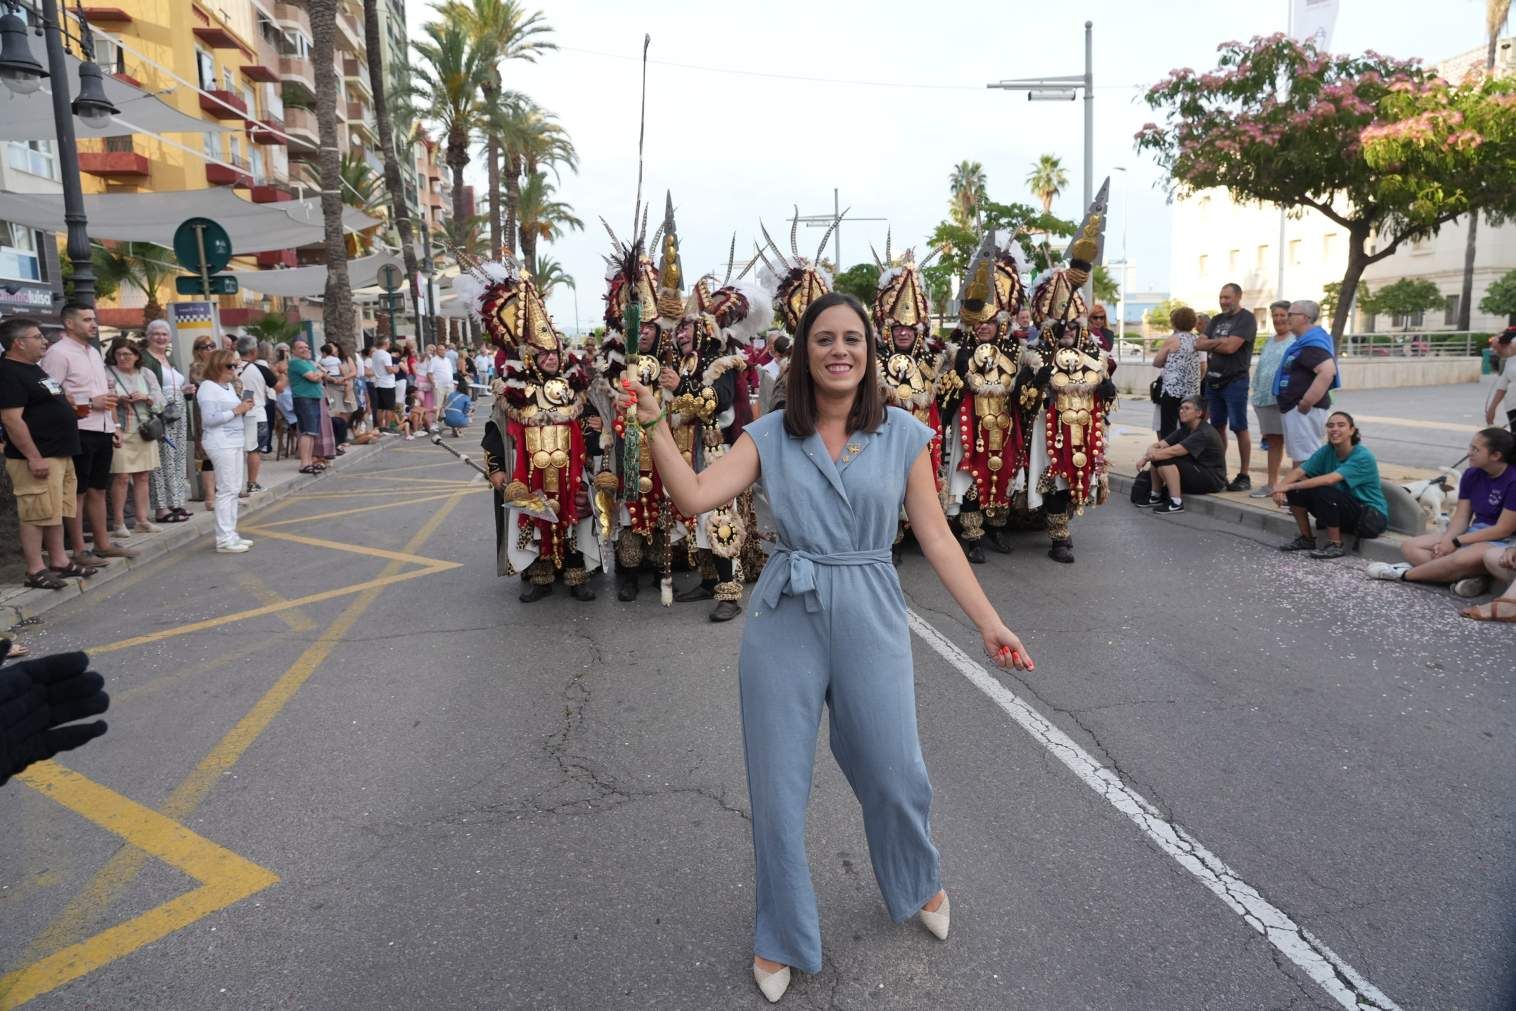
(924, 510)
(694, 493)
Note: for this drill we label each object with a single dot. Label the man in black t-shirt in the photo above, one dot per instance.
(1190, 460)
(41, 441)
(1228, 341)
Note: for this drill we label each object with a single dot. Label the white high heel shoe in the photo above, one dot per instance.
(772, 984)
(937, 922)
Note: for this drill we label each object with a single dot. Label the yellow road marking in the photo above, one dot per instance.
(435, 482)
(123, 867)
(412, 500)
(225, 878)
(264, 594)
(258, 612)
(171, 678)
(358, 549)
(1441, 426)
(444, 461)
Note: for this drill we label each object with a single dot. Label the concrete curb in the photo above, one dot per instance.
(29, 603)
(1385, 548)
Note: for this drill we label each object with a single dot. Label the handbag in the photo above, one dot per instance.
(151, 430)
(1155, 390)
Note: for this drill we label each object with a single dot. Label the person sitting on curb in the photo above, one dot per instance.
(1339, 485)
(1501, 563)
(1484, 518)
(1190, 460)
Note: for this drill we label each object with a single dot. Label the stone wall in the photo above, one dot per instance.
(1357, 373)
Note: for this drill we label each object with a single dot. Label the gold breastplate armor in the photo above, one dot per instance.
(1076, 376)
(990, 367)
(548, 443)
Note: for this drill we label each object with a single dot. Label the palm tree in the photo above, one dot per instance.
(547, 273)
(139, 265)
(967, 186)
(467, 235)
(274, 328)
(533, 139)
(450, 78)
(504, 27)
(361, 189)
(542, 217)
(400, 212)
(1495, 14)
(1047, 180)
(338, 314)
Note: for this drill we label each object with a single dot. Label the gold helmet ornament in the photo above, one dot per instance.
(795, 281)
(505, 301)
(901, 298)
(1057, 298)
(669, 294)
(977, 302)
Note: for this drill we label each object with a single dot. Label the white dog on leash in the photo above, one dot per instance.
(1432, 493)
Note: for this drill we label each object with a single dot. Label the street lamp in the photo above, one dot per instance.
(1121, 293)
(1061, 89)
(22, 75)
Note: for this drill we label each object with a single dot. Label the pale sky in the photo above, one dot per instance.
(735, 146)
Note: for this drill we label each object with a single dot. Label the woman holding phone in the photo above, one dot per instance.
(221, 411)
(828, 625)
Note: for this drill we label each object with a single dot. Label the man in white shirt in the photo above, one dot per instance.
(382, 364)
(254, 422)
(441, 371)
(452, 357)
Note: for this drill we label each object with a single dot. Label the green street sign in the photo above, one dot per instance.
(389, 277)
(197, 234)
(221, 284)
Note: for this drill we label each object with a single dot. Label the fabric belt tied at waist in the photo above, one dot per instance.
(797, 575)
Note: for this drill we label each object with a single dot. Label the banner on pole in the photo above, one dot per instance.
(1312, 20)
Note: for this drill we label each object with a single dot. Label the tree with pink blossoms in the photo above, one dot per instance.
(1380, 146)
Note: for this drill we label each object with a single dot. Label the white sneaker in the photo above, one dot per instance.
(1388, 570)
(244, 541)
(1471, 586)
(234, 548)
(772, 984)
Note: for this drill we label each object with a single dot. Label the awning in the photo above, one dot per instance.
(30, 117)
(152, 217)
(311, 281)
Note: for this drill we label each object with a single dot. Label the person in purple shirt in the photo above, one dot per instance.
(1484, 518)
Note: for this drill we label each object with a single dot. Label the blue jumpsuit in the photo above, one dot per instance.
(827, 625)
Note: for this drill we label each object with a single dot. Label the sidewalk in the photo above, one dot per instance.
(280, 479)
(1129, 436)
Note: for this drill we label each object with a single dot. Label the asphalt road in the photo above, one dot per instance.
(413, 791)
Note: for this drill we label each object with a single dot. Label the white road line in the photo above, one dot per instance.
(1297, 944)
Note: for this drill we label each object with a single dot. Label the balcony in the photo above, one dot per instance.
(223, 104)
(237, 172)
(118, 159)
(269, 194)
(107, 16)
(268, 131)
(305, 136)
(263, 73)
(290, 16)
(355, 72)
(279, 258)
(216, 37)
(360, 114)
(297, 74)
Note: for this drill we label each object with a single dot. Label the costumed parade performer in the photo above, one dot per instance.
(1068, 453)
(539, 440)
(913, 360)
(991, 404)
(828, 625)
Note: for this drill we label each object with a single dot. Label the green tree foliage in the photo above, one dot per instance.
(1405, 297)
(1047, 180)
(106, 286)
(1157, 318)
(860, 280)
(1377, 145)
(274, 328)
(966, 192)
(1500, 298)
(1105, 287)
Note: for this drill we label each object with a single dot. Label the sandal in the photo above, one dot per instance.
(73, 570)
(180, 512)
(44, 579)
(173, 517)
(1476, 613)
(309, 470)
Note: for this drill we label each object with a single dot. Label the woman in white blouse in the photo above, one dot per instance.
(221, 411)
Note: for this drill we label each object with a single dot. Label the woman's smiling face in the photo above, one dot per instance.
(838, 345)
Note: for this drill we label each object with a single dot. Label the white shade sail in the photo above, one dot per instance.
(30, 117)
(311, 281)
(152, 217)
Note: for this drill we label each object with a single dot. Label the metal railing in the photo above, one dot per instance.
(1396, 344)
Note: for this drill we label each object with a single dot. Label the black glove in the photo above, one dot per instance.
(37, 697)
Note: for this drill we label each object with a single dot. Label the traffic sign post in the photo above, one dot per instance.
(220, 284)
(204, 247)
(389, 280)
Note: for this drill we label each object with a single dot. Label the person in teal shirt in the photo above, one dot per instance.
(1339, 485)
(306, 378)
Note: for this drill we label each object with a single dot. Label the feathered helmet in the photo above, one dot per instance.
(795, 281)
(1057, 301)
(901, 298)
(629, 270)
(505, 301)
(737, 309)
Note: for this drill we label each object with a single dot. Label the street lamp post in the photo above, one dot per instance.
(1121, 292)
(1066, 88)
(22, 75)
(829, 221)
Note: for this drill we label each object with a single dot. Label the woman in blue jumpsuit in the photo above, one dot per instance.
(827, 625)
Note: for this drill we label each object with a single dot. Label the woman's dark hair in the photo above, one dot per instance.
(128, 344)
(1344, 414)
(1182, 319)
(867, 413)
(1499, 440)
